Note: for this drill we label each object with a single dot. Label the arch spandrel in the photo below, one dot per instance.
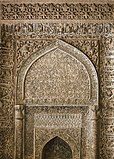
(71, 52)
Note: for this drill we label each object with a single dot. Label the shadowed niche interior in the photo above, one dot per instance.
(57, 148)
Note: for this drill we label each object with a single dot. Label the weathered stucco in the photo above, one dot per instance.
(56, 79)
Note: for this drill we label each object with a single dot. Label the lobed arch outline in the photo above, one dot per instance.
(71, 51)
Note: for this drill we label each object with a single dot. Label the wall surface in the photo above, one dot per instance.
(26, 27)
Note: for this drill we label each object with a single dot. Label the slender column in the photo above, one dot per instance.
(92, 133)
(19, 131)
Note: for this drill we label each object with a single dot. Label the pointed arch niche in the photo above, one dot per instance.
(56, 148)
(58, 75)
(56, 62)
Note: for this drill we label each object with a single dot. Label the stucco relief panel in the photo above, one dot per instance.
(65, 134)
(69, 124)
(60, 30)
(27, 47)
(58, 75)
(78, 11)
(57, 78)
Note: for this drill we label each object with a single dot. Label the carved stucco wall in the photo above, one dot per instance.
(92, 34)
(65, 66)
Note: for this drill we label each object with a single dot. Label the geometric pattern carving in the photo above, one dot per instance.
(54, 121)
(57, 11)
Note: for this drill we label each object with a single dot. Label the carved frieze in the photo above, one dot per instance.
(58, 121)
(58, 29)
(57, 11)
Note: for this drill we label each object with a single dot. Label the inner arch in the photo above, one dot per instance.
(57, 148)
(57, 75)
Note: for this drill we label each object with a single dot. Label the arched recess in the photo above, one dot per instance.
(58, 47)
(72, 52)
(57, 148)
(68, 139)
